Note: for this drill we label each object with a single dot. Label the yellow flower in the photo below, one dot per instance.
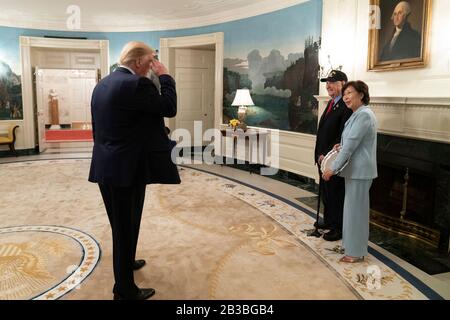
(234, 122)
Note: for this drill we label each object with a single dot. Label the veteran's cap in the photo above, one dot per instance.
(335, 75)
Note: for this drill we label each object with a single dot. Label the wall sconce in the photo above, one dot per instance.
(325, 68)
(324, 71)
(242, 99)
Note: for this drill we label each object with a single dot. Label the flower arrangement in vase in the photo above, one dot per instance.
(234, 123)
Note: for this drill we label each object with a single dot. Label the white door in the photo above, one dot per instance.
(89, 88)
(57, 81)
(41, 109)
(194, 75)
(74, 90)
(76, 94)
(81, 84)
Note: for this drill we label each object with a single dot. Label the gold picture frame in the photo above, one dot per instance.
(392, 48)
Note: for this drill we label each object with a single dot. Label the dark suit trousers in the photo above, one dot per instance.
(333, 194)
(124, 207)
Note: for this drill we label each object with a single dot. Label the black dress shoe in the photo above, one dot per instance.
(142, 294)
(333, 235)
(138, 264)
(321, 225)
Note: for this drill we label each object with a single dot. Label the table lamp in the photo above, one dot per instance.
(242, 99)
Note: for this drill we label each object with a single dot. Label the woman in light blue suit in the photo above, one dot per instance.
(358, 149)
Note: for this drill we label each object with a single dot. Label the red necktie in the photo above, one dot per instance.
(330, 106)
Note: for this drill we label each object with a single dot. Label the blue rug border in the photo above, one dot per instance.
(71, 228)
(417, 283)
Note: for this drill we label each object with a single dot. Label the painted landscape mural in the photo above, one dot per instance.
(10, 93)
(280, 69)
(281, 88)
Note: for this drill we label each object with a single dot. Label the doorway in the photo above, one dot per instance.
(71, 67)
(63, 99)
(196, 62)
(194, 75)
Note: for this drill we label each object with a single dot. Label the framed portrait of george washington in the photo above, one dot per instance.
(398, 34)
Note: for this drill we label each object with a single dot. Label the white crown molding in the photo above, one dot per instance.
(144, 23)
(435, 101)
(64, 43)
(192, 41)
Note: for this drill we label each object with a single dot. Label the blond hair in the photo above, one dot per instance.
(132, 51)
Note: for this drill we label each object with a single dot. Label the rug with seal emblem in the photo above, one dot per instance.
(207, 238)
(44, 262)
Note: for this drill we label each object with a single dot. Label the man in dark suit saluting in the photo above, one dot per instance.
(131, 150)
(329, 133)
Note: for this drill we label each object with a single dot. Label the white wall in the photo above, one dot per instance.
(412, 103)
(345, 37)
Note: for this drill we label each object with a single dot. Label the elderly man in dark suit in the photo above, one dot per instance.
(131, 150)
(405, 42)
(329, 133)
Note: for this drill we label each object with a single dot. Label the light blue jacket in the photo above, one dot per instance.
(359, 146)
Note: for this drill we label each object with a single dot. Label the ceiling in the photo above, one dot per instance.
(132, 15)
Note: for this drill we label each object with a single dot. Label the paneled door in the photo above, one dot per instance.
(41, 110)
(73, 90)
(194, 75)
(81, 84)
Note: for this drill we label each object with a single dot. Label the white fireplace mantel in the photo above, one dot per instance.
(409, 117)
(411, 101)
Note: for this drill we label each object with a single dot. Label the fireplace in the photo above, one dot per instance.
(411, 196)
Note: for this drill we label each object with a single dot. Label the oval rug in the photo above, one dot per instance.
(208, 238)
(44, 262)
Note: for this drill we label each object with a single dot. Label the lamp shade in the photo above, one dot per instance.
(242, 98)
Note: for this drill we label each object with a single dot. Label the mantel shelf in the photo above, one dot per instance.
(435, 101)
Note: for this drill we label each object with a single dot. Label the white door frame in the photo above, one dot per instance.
(167, 48)
(26, 45)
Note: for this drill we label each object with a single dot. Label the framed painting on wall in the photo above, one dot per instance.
(399, 34)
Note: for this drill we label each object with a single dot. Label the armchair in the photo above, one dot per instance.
(10, 139)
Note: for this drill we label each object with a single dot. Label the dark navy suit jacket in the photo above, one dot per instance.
(131, 145)
(330, 128)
